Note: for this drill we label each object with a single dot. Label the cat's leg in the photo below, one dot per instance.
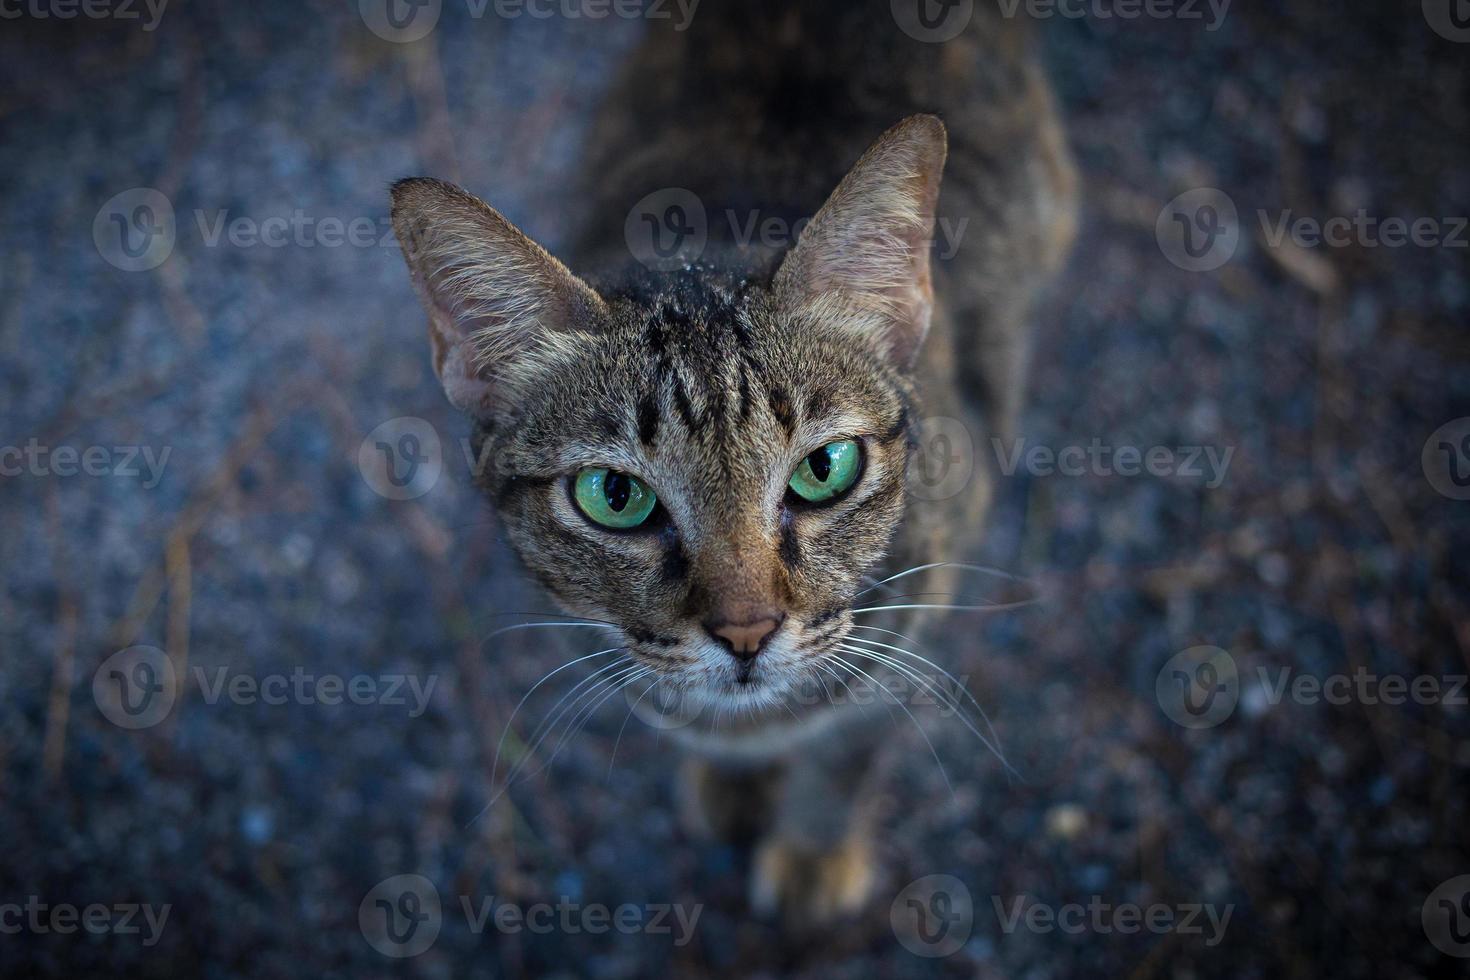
(818, 863)
(726, 803)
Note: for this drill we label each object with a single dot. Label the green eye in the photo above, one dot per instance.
(613, 499)
(827, 472)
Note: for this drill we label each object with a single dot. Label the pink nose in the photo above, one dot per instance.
(744, 640)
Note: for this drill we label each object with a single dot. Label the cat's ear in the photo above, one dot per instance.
(499, 305)
(863, 260)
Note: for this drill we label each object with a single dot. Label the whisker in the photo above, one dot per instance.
(988, 607)
(495, 765)
(547, 625)
(873, 584)
(546, 728)
(624, 727)
(929, 663)
(576, 726)
(538, 735)
(843, 681)
(904, 670)
(996, 572)
(923, 734)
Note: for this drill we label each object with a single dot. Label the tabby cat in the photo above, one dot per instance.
(712, 452)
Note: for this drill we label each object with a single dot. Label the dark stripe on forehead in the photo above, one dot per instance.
(744, 393)
(741, 332)
(683, 404)
(654, 335)
(647, 420)
(818, 402)
(780, 404)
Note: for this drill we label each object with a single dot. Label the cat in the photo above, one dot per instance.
(710, 448)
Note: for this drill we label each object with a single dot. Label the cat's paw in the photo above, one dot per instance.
(722, 804)
(808, 889)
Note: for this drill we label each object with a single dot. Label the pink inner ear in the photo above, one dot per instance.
(864, 259)
(465, 389)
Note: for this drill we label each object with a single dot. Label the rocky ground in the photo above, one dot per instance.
(1324, 549)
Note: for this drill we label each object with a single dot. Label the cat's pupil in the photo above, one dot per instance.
(821, 464)
(617, 488)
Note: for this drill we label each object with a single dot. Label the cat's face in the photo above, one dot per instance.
(711, 469)
(695, 423)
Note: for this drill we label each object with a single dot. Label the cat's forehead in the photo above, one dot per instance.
(682, 374)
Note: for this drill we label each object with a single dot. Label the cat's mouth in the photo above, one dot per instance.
(707, 676)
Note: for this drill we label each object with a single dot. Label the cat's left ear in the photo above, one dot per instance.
(863, 260)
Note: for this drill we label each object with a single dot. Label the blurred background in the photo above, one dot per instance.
(204, 323)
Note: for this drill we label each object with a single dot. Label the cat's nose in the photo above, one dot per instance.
(745, 640)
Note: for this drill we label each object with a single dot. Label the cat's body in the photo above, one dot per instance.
(709, 381)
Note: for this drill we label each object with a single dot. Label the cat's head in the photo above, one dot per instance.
(713, 466)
